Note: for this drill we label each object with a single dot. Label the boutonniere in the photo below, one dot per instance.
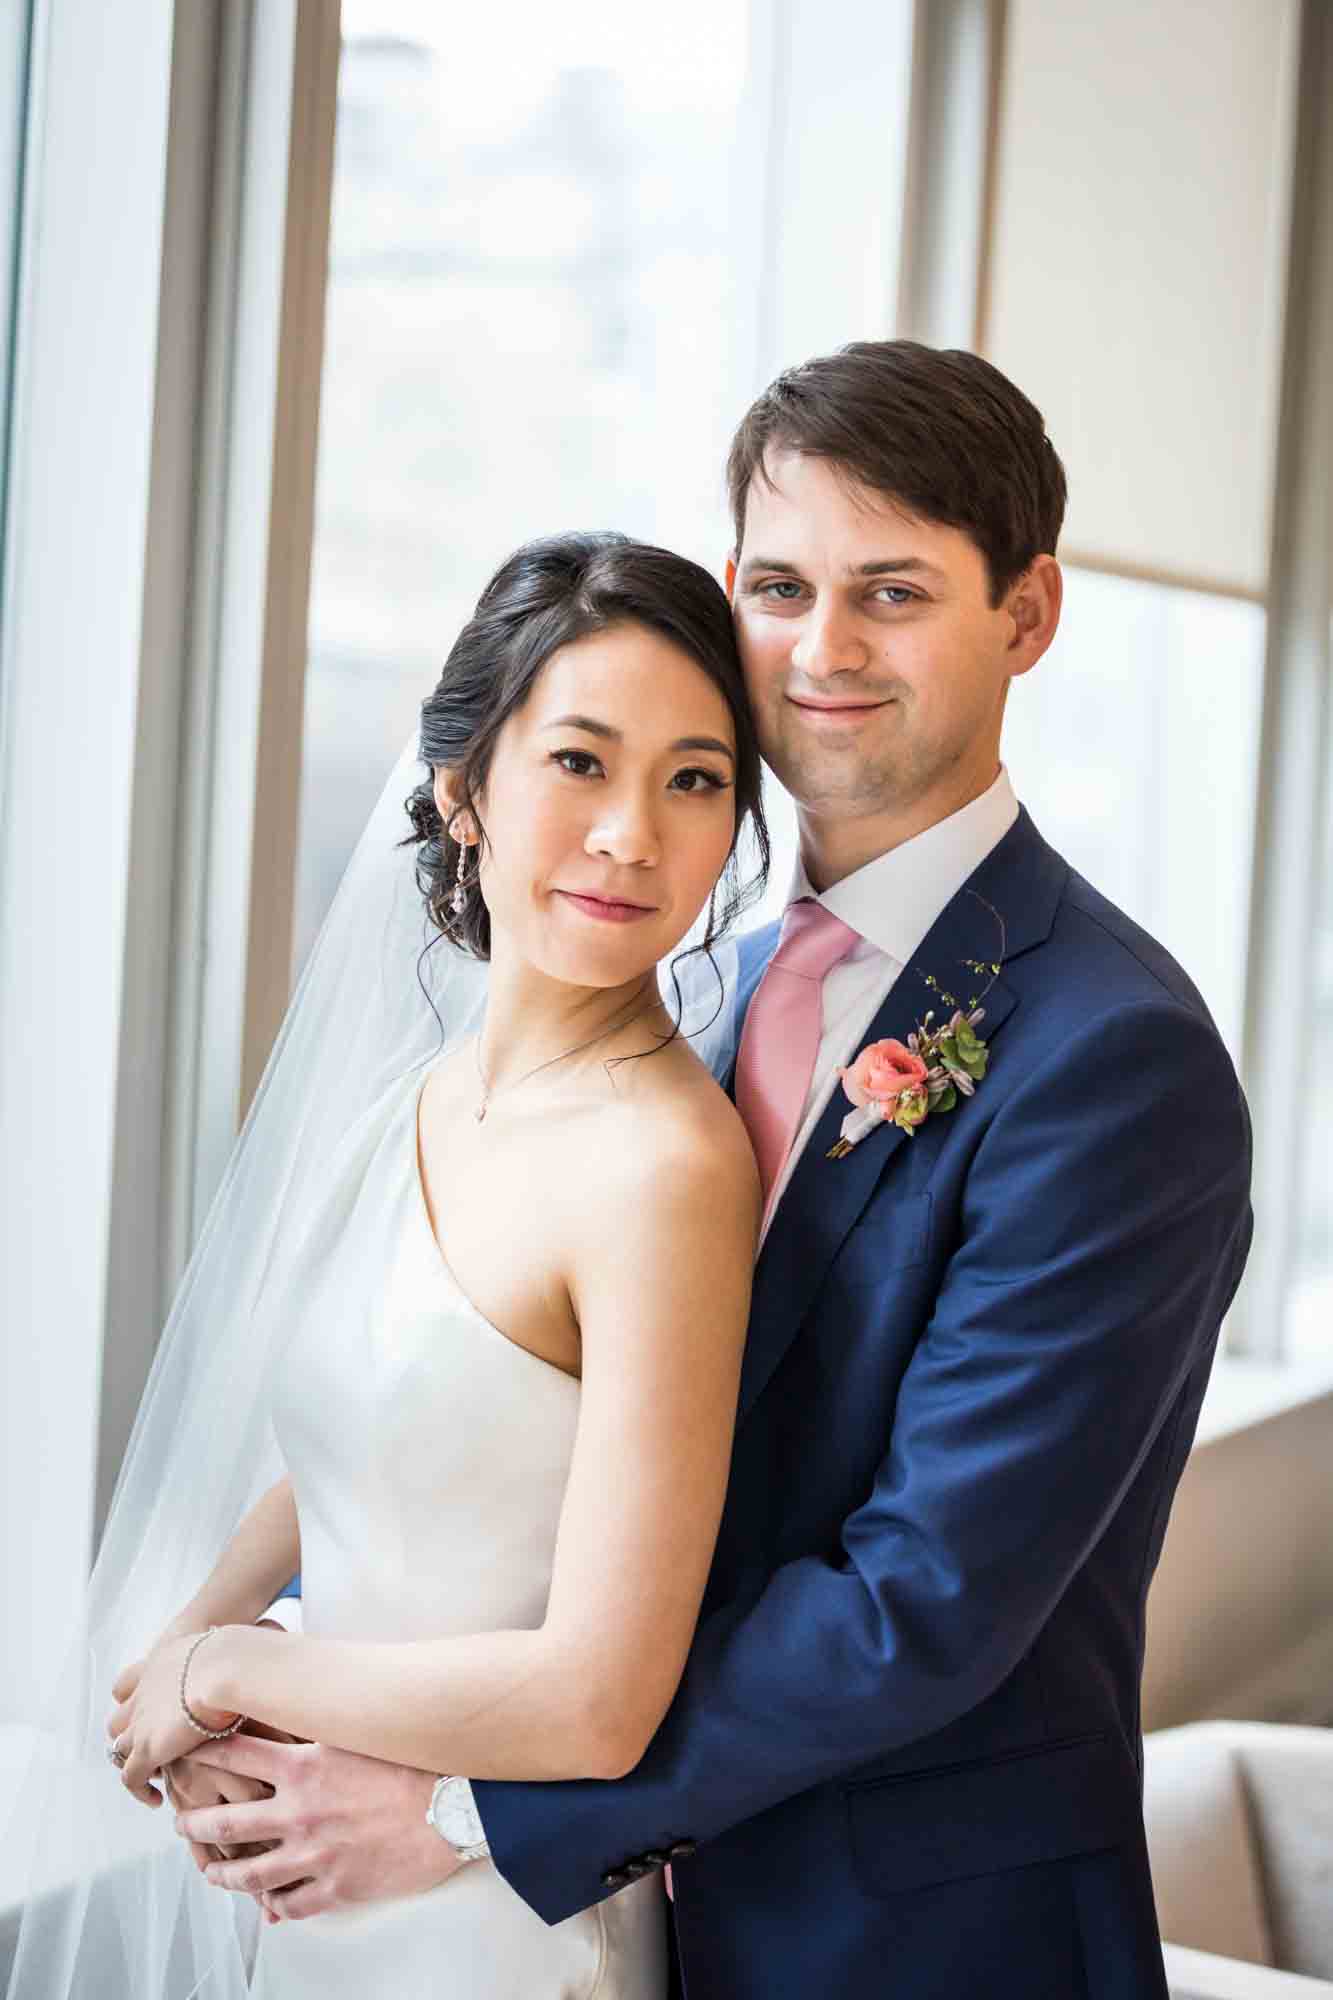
(902, 1083)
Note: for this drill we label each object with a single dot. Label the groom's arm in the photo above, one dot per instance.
(1106, 1222)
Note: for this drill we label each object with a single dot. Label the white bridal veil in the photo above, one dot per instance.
(116, 1910)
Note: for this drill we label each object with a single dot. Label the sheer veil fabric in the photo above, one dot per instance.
(115, 1906)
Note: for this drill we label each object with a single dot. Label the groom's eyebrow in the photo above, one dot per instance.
(898, 566)
(595, 728)
(882, 566)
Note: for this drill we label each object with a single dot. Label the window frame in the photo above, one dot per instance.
(157, 522)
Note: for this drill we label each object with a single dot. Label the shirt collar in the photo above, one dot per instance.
(894, 900)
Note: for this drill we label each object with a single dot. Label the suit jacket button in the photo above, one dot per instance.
(682, 1847)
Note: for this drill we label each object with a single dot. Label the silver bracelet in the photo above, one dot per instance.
(186, 1710)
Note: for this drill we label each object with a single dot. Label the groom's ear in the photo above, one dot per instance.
(731, 577)
(1034, 605)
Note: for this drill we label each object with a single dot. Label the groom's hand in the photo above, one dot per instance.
(192, 1785)
(192, 1781)
(338, 1829)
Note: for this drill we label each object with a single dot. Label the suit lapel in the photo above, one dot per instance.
(1022, 877)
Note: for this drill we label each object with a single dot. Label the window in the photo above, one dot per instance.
(1133, 743)
(533, 316)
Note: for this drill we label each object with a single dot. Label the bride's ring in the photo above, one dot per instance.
(117, 1756)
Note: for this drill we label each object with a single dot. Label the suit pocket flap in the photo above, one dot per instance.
(976, 1819)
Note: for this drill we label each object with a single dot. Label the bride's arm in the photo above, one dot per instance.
(660, 1281)
(261, 1556)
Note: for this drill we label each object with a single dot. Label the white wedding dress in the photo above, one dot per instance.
(429, 1456)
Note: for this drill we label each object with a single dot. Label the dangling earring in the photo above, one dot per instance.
(458, 900)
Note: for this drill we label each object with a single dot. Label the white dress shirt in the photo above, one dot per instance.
(891, 903)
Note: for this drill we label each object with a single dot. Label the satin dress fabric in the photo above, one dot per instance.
(429, 1456)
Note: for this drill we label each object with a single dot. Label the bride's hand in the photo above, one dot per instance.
(148, 1724)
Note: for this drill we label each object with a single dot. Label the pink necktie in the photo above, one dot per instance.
(780, 1039)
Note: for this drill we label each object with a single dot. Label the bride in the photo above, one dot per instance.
(490, 1296)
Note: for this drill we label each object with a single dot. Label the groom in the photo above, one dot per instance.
(906, 1754)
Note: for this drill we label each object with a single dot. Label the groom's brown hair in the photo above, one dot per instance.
(938, 431)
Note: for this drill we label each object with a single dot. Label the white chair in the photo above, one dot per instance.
(1240, 1835)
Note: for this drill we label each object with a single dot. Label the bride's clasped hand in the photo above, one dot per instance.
(150, 1725)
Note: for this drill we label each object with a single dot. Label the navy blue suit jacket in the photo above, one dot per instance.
(907, 1743)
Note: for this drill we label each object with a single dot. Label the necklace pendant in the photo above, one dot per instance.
(481, 1111)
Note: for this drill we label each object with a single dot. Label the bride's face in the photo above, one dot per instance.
(609, 808)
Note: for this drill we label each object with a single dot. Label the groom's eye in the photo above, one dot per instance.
(786, 588)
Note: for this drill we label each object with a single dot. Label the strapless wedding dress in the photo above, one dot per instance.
(429, 1455)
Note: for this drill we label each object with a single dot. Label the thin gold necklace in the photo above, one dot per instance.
(488, 1089)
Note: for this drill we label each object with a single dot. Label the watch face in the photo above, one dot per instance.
(455, 1817)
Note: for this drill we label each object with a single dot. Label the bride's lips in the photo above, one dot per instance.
(605, 910)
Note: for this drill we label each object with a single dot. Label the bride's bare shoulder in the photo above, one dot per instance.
(673, 1114)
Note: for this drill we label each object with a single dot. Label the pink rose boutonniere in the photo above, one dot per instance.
(897, 1083)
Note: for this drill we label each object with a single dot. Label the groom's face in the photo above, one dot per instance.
(875, 662)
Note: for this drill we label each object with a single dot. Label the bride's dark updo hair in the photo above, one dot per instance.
(544, 596)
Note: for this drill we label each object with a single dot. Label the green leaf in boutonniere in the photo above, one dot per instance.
(902, 1083)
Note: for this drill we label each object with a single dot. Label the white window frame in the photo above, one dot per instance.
(168, 329)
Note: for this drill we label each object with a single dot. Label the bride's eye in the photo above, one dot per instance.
(584, 757)
(711, 781)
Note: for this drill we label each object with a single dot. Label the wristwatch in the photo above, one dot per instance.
(453, 1813)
